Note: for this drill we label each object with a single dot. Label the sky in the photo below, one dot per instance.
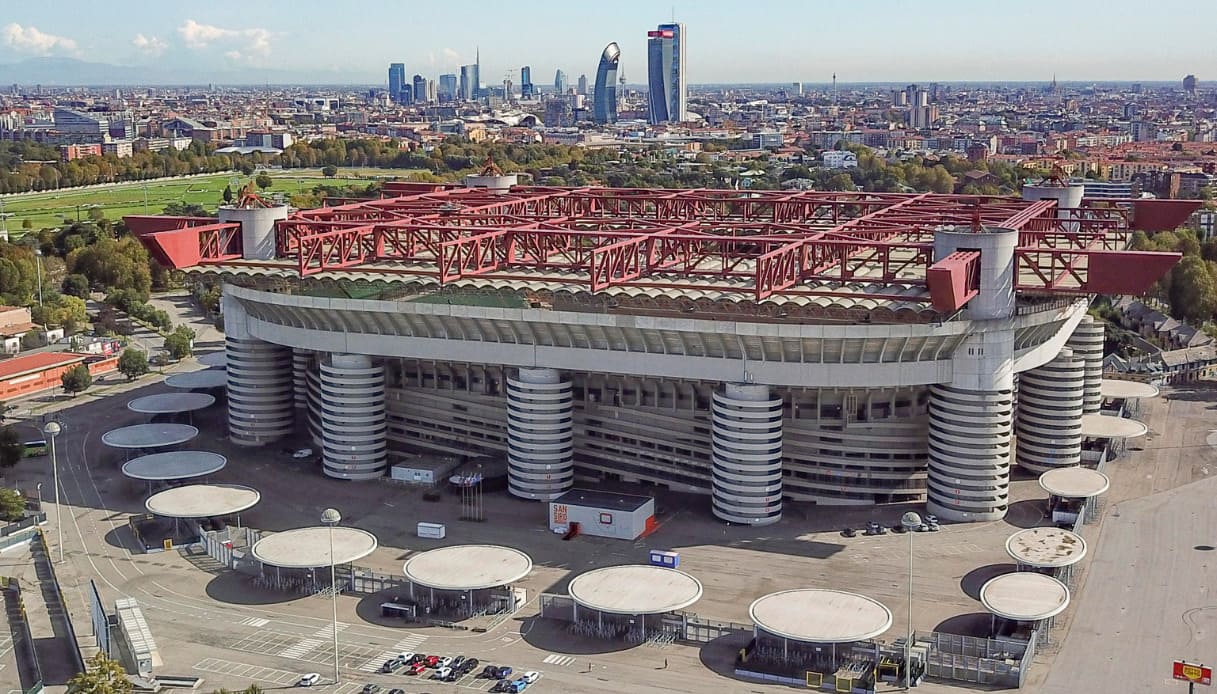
(727, 41)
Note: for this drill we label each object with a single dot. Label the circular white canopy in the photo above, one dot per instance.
(821, 616)
(1127, 390)
(202, 501)
(308, 548)
(149, 435)
(192, 380)
(1105, 426)
(635, 589)
(1046, 547)
(1024, 596)
(219, 358)
(171, 403)
(174, 465)
(468, 567)
(1074, 482)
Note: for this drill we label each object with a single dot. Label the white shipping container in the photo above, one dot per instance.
(435, 531)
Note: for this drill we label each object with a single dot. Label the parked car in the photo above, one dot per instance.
(441, 673)
(457, 662)
(490, 672)
(397, 691)
(518, 686)
(370, 688)
(308, 680)
(469, 665)
(501, 686)
(503, 672)
(431, 660)
(391, 665)
(417, 668)
(531, 676)
(415, 658)
(446, 661)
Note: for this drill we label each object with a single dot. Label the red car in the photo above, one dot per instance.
(417, 668)
(432, 660)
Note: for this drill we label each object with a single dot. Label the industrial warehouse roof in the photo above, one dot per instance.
(820, 616)
(1105, 426)
(1046, 548)
(149, 435)
(174, 465)
(34, 363)
(1024, 596)
(202, 501)
(1127, 390)
(309, 548)
(468, 567)
(1074, 482)
(171, 403)
(207, 378)
(598, 499)
(635, 589)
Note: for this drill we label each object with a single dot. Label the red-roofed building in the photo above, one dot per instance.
(33, 373)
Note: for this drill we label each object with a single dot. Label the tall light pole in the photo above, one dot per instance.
(38, 257)
(52, 429)
(911, 521)
(331, 517)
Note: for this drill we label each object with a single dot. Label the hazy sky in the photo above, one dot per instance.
(728, 40)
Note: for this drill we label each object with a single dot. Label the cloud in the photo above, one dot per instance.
(31, 40)
(250, 42)
(451, 56)
(149, 45)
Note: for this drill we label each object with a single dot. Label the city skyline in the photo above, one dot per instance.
(779, 42)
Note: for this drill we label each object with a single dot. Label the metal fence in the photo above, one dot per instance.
(997, 662)
(42, 558)
(23, 638)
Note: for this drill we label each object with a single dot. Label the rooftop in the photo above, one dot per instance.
(467, 567)
(821, 616)
(635, 589)
(33, 363)
(599, 499)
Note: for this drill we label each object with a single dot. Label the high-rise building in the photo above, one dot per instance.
(1189, 85)
(469, 83)
(582, 85)
(447, 90)
(432, 92)
(605, 95)
(560, 82)
(667, 89)
(397, 78)
(420, 89)
(526, 88)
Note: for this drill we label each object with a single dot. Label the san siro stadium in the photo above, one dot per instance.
(757, 347)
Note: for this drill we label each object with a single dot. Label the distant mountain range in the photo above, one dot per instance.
(72, 72)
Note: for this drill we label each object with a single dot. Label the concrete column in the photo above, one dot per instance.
(302, 360)
(353, 444)
(540, 434)
(746, 450)
(259, 382)
(1049, 416)
(1087, 343)
(969, 446)
(312, 379)
(257, 228)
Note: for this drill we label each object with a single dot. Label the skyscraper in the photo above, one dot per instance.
(469, 83)
(560, 82)
(667, 90)
(420, 89)
(397, 78)
(447, 87)
(605, 95)
(526, 88)
(582, 88)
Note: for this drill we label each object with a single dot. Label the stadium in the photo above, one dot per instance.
(753, 346)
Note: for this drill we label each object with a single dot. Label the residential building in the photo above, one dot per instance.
(839, 159)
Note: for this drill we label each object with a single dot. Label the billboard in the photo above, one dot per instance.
(1191, 672)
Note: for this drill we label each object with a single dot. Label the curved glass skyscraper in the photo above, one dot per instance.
(605, 94)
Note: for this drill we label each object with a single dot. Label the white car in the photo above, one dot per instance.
(531, 676)
(441, 673)
(301, 453)
(406, 656)
(308, 680)
(445, 662)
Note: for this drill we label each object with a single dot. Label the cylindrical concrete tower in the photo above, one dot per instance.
(313, 396)
(259, 391)
(302, 360)
(1068, 196)
(257, 228)
(969, 442)
(353, 444)
(1087, 343)
(540, 434)
(746, 449)
(1049, 417)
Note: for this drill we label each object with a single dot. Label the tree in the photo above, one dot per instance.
(12, 505)
(227, 194)
(183, 209)
(1193, 290)
(32, 339)
(179, 342)
(101, 676)
(76, 285)
(263, 181)
(76, 379)
(246, 168)
(329, 171)
(27, 223)
(133, 363)
(11, 449)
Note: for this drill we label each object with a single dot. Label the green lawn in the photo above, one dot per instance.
(50, 209)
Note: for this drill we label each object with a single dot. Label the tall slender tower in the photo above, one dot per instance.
(667, 87)
(604, 96)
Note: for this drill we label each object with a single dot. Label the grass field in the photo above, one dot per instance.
(51, 209)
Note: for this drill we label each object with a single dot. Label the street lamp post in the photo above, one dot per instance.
(911, 521)
(38, 257)
(52, 429)
(331, 517)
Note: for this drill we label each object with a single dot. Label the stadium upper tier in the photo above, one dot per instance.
(763, 245)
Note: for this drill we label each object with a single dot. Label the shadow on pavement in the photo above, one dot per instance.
(238, 589)
(975, 579)
(1028, 514)
(718, 655)
(978, 624)
(555, 636)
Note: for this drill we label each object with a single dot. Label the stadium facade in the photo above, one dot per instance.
(836, 348)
